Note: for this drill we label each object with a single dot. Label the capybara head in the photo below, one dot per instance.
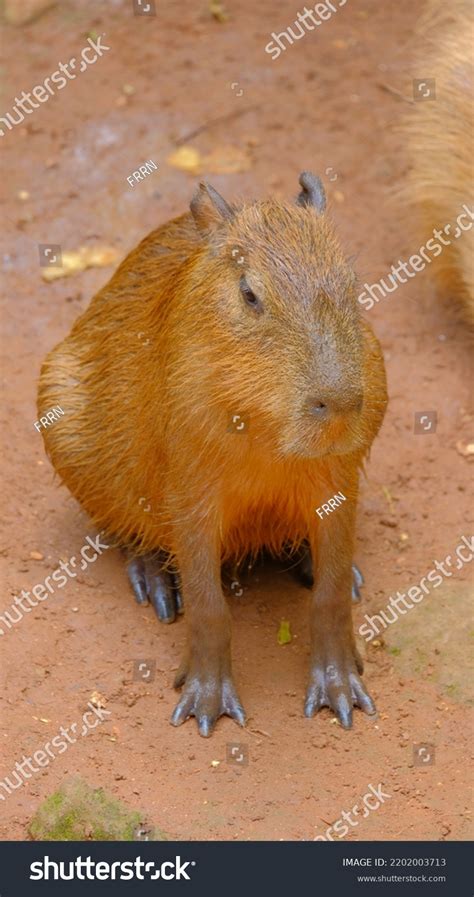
(283, 320)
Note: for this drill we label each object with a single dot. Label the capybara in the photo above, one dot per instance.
(218, 390)
(438, 132)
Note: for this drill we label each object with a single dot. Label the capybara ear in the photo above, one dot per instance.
(209, 208)
(312, 193)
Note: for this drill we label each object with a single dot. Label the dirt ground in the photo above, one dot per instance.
(329, 103)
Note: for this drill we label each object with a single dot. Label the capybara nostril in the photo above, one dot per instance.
(319, 409)
(325, 407)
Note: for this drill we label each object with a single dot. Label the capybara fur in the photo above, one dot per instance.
(439, 140)
(217, 391)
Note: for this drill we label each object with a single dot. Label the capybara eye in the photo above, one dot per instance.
(249, 296)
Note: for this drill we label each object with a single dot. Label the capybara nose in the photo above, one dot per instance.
(319, 409)
(323, 407)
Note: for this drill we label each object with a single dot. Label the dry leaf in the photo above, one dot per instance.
(227, 160)
(217, 10)
(388, 496)
(222, 160)
(465, 450)
(284, 634)
(76, 261)
(187, 159)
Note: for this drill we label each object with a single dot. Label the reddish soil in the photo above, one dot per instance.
(322, 105)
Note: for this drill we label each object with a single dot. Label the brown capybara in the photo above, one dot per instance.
(219, 390)
(439, 132)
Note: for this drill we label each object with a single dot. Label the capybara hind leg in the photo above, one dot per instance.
(303, 568)
(153, 583)
(335, 663)
(357, 582)
(205, 673)
(304, 572)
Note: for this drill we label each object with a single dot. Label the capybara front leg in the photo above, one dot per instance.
(336, 666)
(205, 673)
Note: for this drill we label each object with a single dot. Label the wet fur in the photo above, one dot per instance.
(146, 424)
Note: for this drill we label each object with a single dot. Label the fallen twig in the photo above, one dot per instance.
(210, 124)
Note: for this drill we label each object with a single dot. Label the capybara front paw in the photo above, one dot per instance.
(336, 683)
(207, 697)
(153, 582)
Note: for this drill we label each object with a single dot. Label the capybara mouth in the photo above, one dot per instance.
(339, 436)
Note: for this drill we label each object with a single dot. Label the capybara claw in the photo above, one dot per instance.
(314, 702)
(339, 687)
(153, 583)
(357, 582)
(207, 700)
(136, 575)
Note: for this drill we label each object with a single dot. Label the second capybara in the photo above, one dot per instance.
(220, 389)
(439, 140)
